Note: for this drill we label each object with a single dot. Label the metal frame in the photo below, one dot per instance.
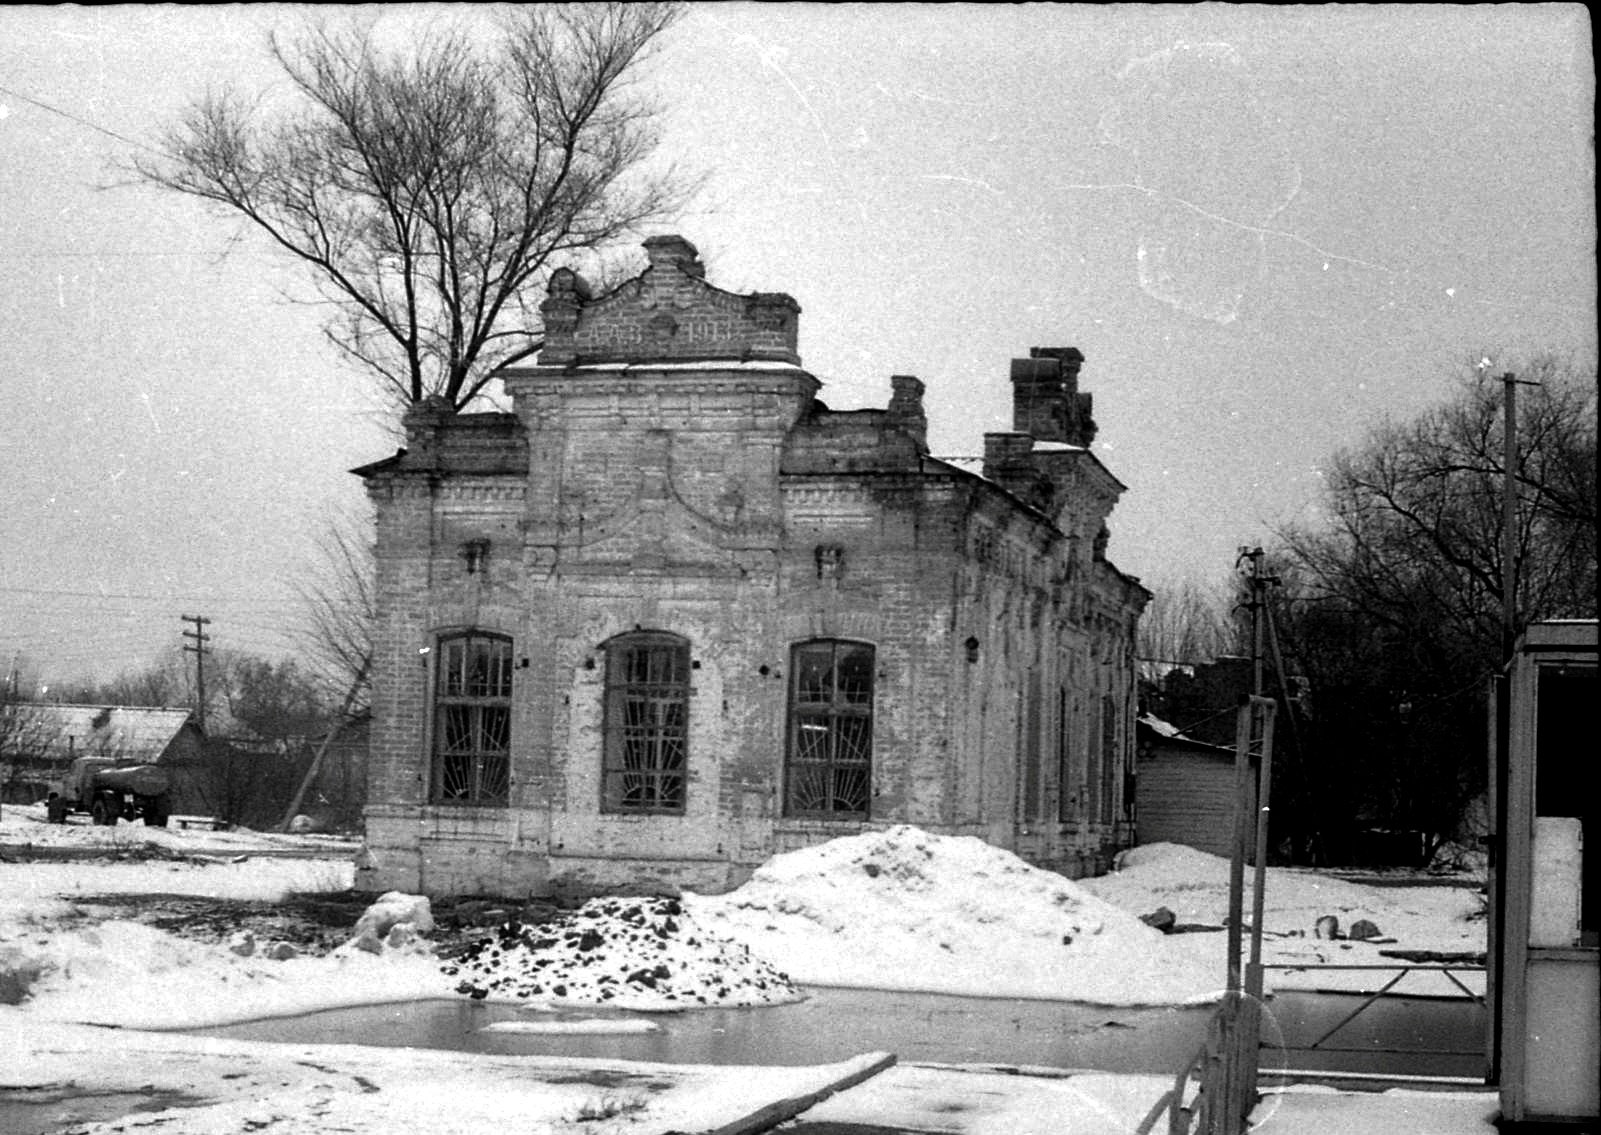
(1402, 971)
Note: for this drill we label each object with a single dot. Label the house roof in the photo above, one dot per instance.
(133, 733)
(1175, 737)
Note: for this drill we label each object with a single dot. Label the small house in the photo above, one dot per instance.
(1185, 789)
(44, 740)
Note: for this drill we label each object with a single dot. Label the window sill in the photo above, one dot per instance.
(824, 823)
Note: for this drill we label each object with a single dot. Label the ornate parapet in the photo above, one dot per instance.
(667, 313)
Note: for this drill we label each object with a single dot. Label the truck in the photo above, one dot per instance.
(111, 790)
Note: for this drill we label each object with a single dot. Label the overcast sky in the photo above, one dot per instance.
(1265, 227)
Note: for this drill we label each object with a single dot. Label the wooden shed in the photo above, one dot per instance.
(1184, 789)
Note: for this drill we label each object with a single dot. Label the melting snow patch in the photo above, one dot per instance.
(588, 1027)
(629, 953)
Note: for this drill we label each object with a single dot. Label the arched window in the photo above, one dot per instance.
(829, 772)
(472, 720)
(646, 723)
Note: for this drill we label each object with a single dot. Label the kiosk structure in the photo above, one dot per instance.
(1545, 947)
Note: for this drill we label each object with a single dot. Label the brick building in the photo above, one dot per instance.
(672, 614)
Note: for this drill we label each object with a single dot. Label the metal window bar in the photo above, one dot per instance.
(831, 730)
(472, 721)
(647, 735)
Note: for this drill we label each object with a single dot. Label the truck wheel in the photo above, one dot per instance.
(155, 815)
(55, 810)
(104, 810)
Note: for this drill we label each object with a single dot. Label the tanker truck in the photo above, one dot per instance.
(110, 791)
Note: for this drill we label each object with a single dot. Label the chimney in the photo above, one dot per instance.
(423, 422)
(906, 408)
(1046, 403)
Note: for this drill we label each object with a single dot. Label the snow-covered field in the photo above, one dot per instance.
(899, 909)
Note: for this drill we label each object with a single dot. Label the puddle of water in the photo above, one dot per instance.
(830, 1025)
(1418, 1036)
(1395, 1035)
(834, 1024)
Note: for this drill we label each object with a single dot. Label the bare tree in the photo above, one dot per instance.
(427, 191)
(24, 739)
(1413, 516)
(1185, 624)
(339, 592)
(1392, 602)
(163, 683)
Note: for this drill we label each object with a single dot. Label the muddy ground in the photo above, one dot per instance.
(312, 923)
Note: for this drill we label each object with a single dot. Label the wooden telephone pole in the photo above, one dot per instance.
(199, 650)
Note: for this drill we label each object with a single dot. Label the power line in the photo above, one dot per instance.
(274, 603)
(69, 116)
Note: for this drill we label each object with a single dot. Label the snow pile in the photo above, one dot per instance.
(905, 909)
(1193, 884)
(397, 921)
(642, 954)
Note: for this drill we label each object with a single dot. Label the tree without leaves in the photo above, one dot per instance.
(1392, 604)
(168, 682)
(1185, 624)
(339, 593)
(25, 734)
(1414, 515)
(428, 192)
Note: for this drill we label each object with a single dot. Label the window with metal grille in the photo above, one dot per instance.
(646, 723)
(830, 766)
(472, 720)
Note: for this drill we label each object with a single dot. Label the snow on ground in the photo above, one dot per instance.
(258, 878)
(25, 825)
(1301, 1108)
(904, 909)
(981, 1101)
(1194, 885)
(898, 909)
(222, 1087)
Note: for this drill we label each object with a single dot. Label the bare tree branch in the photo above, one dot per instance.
(427, 191)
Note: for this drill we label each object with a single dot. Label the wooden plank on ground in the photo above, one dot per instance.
(780, 1111)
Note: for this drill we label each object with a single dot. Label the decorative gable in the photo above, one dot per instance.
(667, 313)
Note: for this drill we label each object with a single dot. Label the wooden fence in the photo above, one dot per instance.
(1213, 1093)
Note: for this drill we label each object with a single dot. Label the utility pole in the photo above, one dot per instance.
(1509, 517)
(199, 650)
(1499, 783)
